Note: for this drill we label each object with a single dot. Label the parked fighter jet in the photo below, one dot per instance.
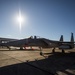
(42, 43)
(6, 40)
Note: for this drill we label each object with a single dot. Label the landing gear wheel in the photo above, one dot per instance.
(63, 51)
(53, 51)
(41, 53)
(21, 48)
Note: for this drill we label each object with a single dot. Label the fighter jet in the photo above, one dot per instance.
(42, 43)
(6, 40)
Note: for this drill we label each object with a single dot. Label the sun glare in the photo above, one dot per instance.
(20, 19)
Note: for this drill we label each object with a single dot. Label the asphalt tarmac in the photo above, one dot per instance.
(30, 62)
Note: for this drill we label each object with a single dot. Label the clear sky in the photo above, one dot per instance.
(44, 18)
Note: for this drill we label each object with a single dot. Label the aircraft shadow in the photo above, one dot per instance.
(55, 64)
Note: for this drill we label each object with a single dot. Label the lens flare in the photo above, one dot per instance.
(20, 19)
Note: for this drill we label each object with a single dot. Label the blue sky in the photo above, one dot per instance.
(45, 18)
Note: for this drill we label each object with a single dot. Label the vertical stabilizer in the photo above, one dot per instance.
(72, 40)
(61, 38)
(72, 37)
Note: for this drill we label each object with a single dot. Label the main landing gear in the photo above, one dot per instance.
(63, 51)
(40, 50)
(21, 48)
(53, 50)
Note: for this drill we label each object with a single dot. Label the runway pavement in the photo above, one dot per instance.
(30, 62)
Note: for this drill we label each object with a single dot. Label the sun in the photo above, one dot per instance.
(20, 19)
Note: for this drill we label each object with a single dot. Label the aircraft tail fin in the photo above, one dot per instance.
(72, 37)
(72, 40)
(61, 38)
